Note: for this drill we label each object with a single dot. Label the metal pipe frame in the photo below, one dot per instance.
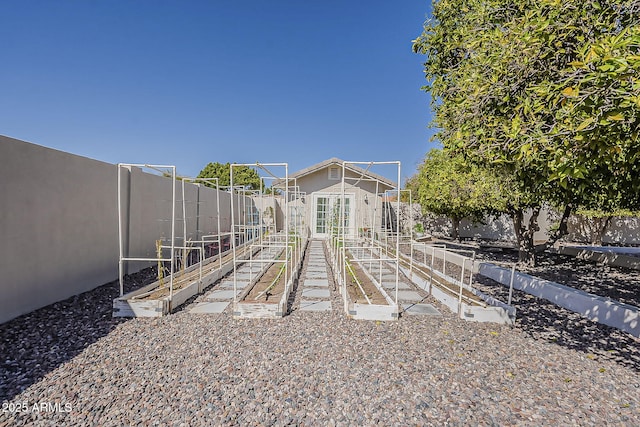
(265, 167)
(121, 258)
(342, 208)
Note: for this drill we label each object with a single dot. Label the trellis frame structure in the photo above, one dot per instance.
(152, 300)
(286, 250)
(236, 261)
(121, 257)
(339, 248)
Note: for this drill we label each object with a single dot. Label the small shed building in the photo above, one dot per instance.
(320, 187)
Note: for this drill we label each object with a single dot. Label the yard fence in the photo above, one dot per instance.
(59, 222)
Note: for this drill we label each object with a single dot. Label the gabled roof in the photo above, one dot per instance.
(338, 162)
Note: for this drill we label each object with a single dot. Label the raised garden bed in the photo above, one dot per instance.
(365, 298)
(579, 289)
(268, 295)
(155, 299)
(609, 281)
(438, 277)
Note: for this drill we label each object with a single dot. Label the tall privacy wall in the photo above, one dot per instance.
(500, 228)
(619, 231)
(59, 222)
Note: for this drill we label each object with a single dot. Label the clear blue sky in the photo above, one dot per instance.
(188, 82)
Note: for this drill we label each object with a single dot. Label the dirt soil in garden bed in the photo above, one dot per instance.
(451, 288)
(452, 270)
(355, 294)
(275, 293)
(181, 280)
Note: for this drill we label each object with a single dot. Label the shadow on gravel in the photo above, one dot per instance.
(36, 343)
(546, 321)
(618, 283)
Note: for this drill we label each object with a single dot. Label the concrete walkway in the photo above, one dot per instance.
(315, 280)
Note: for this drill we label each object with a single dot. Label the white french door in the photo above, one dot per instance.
(326, 214)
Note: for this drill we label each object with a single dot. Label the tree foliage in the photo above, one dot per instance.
(450, 186)
(242, 175)
(548, 91)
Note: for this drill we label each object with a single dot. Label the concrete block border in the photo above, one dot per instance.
(599, 309)
(605, 255)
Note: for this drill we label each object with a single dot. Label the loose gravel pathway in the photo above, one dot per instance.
(73, 364)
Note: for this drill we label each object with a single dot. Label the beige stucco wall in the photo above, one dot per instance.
(621, 230)
(267, 206)
(59, 222)
(494, 228)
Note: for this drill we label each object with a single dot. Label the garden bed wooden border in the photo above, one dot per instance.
(270, 310)
(130, 305)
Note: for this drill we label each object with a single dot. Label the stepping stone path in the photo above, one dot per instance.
(315, 282)
(221, 296)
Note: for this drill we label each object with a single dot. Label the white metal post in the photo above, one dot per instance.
(433, 258)
(233, 240)
(287, 213)
(219, 231)
(341, 222)
(461, 282)
(513, 272)
(120, 243)
(473, 263)
(173, 231)
(184, 226)
(444, 262)
(398, 236)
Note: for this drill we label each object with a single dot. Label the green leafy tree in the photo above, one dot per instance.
(450, 186)
(546, 91)
(242, 175)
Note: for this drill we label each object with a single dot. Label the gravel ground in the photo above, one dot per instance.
(544, 320)
(73, 364)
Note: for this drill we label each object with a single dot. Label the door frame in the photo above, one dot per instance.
(333, 197)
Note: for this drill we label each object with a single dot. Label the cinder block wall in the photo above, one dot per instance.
(59, 222)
